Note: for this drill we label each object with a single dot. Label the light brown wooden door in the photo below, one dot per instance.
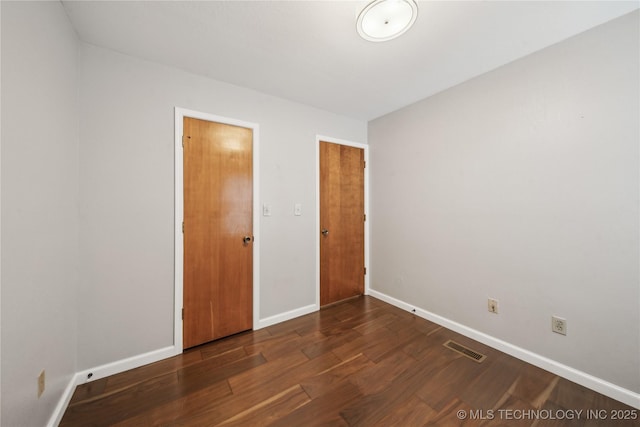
(218, 246)
(341, 222)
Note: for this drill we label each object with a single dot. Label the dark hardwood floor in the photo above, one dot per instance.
(358, 363)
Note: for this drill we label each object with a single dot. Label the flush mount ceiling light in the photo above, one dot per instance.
(384, 20)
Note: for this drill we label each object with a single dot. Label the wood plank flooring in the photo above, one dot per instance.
(358, 363)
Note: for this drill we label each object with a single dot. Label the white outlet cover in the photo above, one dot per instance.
(559, 325)
(266, 210)
(492, 305)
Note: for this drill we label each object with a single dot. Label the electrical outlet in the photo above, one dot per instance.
(559, 325)
(492, 305)
(40, 383)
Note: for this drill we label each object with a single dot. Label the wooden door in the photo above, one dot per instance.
(342, 219)
(218, 219)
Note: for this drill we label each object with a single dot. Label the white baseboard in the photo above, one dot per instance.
(282, 317)
(58, 412)
(104, 371)
(116, 367)
(601, 386)
(594, 383)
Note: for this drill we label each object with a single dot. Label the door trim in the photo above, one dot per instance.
(365, 147)
(180, 114)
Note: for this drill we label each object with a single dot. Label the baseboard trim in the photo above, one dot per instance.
(58, 412)
(282, 317)
(104, 371)
(116, 367)
(594, 383)
(597, 384)
(125, 364)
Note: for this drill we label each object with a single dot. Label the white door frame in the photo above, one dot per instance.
(365, 147)
(180, 114)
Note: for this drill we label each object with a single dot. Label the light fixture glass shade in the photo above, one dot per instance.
(384, 20)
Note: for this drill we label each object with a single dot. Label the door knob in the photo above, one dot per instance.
(325, 232)
(246, 240)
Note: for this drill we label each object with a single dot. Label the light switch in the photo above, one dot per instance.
(266, 210)
(297, 209)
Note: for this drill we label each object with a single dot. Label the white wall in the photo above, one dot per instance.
(0, 221)
(522, 185)
(126, 193)
(39, 208)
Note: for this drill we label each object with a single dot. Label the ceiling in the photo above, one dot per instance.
(309, 51)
